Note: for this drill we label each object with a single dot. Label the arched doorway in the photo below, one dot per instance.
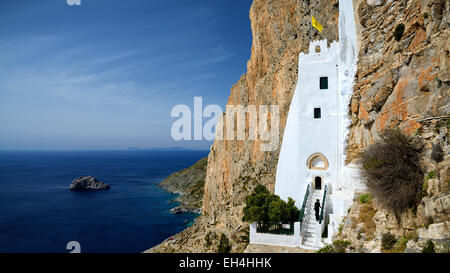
(318, 183)
(317, 161)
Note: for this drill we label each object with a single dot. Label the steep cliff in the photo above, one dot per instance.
(399, 83)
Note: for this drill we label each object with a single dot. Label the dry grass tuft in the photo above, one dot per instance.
(392, 170)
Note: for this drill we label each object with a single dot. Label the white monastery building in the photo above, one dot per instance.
(311, 164)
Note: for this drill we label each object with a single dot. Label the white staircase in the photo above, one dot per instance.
(309, 220)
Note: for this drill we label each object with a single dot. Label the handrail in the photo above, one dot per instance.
(323, 204)
(302, 210)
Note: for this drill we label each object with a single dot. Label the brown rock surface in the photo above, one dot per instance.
(399, 82)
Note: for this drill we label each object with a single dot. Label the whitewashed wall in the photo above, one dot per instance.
(304, 135)
(275, 239)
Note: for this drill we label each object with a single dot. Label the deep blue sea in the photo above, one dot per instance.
(38, 212)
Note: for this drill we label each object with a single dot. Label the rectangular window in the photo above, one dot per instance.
(317, 113)
(323, 82)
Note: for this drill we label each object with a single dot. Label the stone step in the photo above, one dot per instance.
(311, 245)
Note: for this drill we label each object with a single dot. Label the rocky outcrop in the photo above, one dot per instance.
(189, 184)
(86, 183)
(399, 82)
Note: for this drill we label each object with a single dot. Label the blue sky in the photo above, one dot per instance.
(106, 74)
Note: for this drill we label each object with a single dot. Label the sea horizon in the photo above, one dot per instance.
(40, 214)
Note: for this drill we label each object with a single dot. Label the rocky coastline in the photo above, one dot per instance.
(188, 184)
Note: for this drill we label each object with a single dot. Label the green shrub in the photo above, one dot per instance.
(208, 239)
(431, 175)
(294, 212)
(429, 247)
(326, 249)
(277, 210)
(424, 191)
(224, 244)
(388, 240)
(245, 238)
(365, 198)
(392, 170)
(400, 245)
(437, 154)
(341, 227)
(398, 32)
(338, 246)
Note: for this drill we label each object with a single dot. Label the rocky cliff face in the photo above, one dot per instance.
(398, 84)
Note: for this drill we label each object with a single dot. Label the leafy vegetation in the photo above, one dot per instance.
(424, 190)
(429, 247)
(392, 170)
(365, 198)
(388, 241)
(437, 154)
(338, 246)
(429, 221)
(208, 239)
(245, 238)
(431, 175)
(398, 32)
(400, 245)
(224, 244)
(263, 207)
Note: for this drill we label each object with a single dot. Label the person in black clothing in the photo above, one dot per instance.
(317, 209)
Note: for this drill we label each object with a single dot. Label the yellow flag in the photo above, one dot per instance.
(316, 24)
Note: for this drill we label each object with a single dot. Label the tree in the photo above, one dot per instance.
(294, 212)
(224, 244)
(277, 210)
(256, 205)
(262, 207)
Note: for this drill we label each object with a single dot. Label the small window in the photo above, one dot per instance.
(323, 82)
(317, 113)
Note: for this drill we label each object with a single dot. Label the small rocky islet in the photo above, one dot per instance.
(88, 183)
